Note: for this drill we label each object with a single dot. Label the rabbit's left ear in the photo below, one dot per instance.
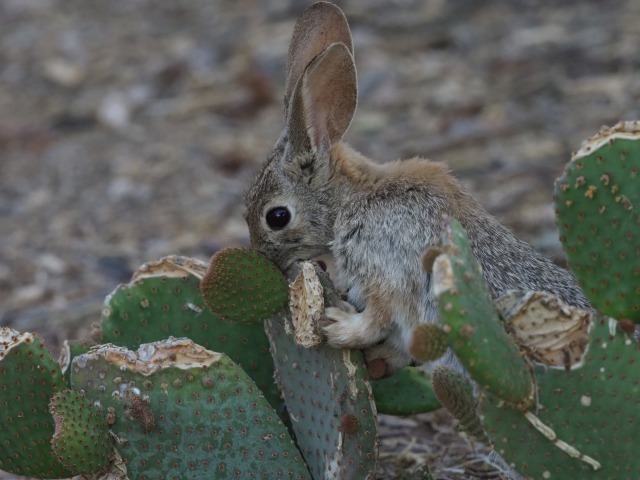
(324, 101)
(321, 25)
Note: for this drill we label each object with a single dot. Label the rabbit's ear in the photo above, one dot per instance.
(324, 101)
(321, 24)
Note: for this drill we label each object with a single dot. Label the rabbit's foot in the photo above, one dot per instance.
(393, 358)
(351, 330)
(346, 307)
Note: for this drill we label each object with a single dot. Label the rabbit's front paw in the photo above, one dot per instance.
(349, 329)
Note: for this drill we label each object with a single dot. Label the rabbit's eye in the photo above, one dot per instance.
(278, 217)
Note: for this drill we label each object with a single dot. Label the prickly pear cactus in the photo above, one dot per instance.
(471, 323)
(456, 394)
(29, 377)
(330, 404)
(180, 411)
(326, 390)
(581, 423)
(71, 349)
(243, 285)
(598, 215)
(407, 392)
(548, 331)
(584, 422)
(82, 441)
(163, 299)
(428, 342)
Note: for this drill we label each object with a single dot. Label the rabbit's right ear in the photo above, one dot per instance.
(321, 25)
(323, 103)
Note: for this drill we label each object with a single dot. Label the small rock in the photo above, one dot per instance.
(126, 188)
(52, 263)
(116, 108)
(64, 73)
(28, 295)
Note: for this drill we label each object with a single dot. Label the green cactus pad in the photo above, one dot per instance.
(598, 215)
(472, 324)
(320, 386)
(456, 394)
(82, 441)
(406, 392)
(593, 408)
(181, 411)
(29, 376)
(163, 299)
(243, 285)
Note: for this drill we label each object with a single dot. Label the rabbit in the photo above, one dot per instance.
(317, 198)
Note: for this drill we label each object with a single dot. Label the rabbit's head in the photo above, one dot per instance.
(291, 206)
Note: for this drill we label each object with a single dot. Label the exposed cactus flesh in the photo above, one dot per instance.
(548, 331)
(306, 301)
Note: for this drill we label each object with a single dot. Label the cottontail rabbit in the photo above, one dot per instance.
(318, 198)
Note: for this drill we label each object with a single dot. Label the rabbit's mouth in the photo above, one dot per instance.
(287, 264)
(327, 263)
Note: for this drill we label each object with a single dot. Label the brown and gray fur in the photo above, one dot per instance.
(372, 221)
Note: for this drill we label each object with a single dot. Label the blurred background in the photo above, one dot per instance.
(129, 129)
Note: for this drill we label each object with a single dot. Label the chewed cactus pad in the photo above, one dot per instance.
(306, 302)
(594, 409)
(178, 410)
(598, 215)
(163, 299)
(548, 331)
(29, 376)
(330, 404)
(243, 285)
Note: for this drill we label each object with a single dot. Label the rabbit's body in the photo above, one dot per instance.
(318, 198)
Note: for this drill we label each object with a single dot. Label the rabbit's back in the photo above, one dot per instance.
(383, 227)
(511, 264)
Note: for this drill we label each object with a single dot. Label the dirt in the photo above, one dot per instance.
(129, 130)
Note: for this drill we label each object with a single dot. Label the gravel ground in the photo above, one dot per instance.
(129, 130)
